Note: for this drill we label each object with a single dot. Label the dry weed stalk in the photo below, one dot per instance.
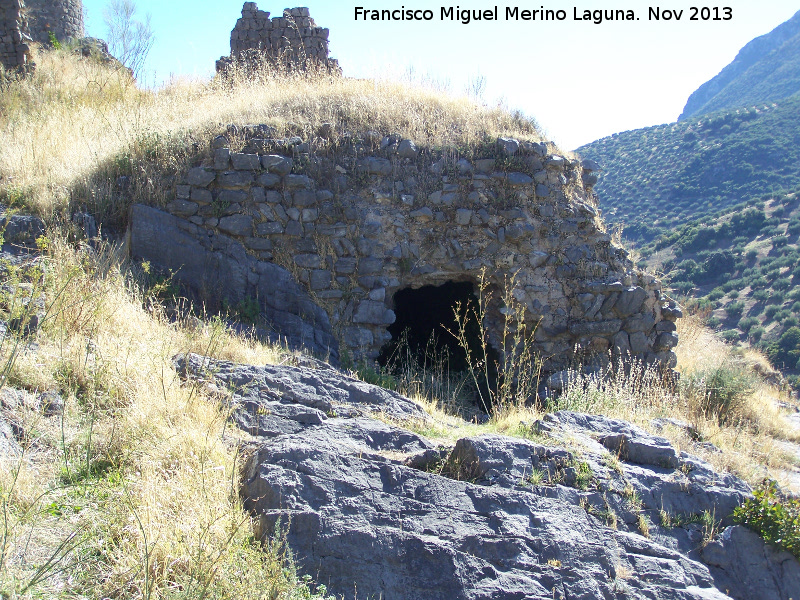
(506, 384)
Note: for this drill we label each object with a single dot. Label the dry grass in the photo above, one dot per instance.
(724, 396)
(76, 124)
(140, 476)
(721, 395)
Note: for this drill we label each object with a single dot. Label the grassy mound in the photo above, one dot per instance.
(76, 125)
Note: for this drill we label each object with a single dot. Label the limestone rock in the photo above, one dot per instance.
(200, 176)
(324, 390)
(9, 447)
(508, 146)
(20, 230)
(368, 505)
(236, 225)
(740, 561)
(407, 149)
(223, 268)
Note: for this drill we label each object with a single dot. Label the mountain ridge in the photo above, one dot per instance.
(670, 174)
(766, 69)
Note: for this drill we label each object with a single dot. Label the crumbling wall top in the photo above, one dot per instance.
(292, 40)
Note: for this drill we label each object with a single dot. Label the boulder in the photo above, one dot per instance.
(507, 146)
(218, 267)
(324, 390)
(407, 149)
(20, 230)
(9, 447)
(741, 562)
(370, 506)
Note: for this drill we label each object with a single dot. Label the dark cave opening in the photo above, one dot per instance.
(421, 335)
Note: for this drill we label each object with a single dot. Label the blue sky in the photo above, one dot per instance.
(580, 80)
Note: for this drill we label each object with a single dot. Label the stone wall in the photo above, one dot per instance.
(355, 220)
(64, 18)
(15, 55)
(291, 40)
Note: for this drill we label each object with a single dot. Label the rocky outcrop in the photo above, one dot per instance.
(9, 447)
(322, 392)
(360, 220)
(20, 230)
(219, 268)
(376, 510)
(741, 561)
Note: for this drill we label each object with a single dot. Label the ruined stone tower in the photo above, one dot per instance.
(15, 54)
(62, 18)
(23, 22)
(292, 40)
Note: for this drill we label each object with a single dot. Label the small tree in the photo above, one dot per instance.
(129, 39)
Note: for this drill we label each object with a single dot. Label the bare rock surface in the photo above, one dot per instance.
(742, 561)
(373, 510)
(321, 392)
(9, 447)
(220, 265)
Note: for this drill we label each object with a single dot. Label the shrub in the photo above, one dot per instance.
(769, 312)
(733, 284)
(715, 294)
(750, 255)
(683, 287)
(735, 309)
(747, 323)
(760, 295)
(772, 515)
(782, 284)
(721, 392)
(756, 333)
(786, 350)
(776, 297)
(713, 322)
(730, 336)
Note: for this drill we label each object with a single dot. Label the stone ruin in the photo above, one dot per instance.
(15, 39)
(335, 240)
(61, 18)
(290, 41)
(22, 23)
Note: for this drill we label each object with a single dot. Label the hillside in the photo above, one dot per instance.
(152, 448)
(740, 269)
(664, 176)
(766, 70)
